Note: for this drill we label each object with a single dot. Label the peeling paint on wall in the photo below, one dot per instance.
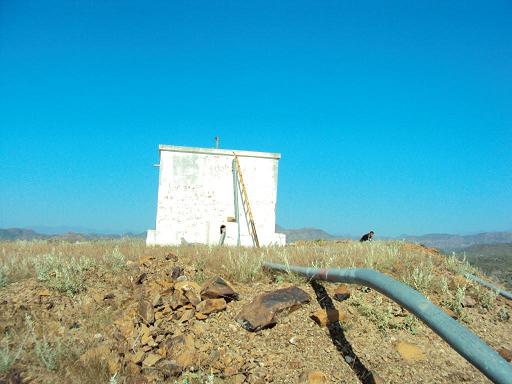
(196, 197)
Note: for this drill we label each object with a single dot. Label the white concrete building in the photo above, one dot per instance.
(199, 193)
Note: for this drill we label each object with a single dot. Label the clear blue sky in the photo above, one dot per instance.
(394, 116)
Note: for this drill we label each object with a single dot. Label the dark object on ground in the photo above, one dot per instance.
(176, 272)
(367, 237)
(342, 292)
(217, 287)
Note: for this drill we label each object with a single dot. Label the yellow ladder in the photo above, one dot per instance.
(245, 201)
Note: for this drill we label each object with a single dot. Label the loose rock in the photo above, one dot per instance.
(146, 312)
(176, 272)
(190, 291)
(211, 305)
(505, 353)
(169, 368)
(138, 357)
(324, 317)
(144, 260)
(44, 292)
(468, 302)
(217, 287)
(236, 379)
(178, 299)
(262, 312)
(342, 292)
(187, 315)
(313, 377)
(109, 296)
(151, 360)
(181, 350)
(140, 279)
(450, 313)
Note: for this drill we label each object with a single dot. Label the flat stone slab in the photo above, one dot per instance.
(263, 311)
(211, 306)
(324, 317)
(313, 377)
(146, 312)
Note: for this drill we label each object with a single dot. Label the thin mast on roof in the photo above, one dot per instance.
(217, 141)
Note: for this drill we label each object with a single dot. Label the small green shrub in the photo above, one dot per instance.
(48, 354)
(113, 379)
(7, 356)
(502, 315)
(421, 277)
(486, 297)
(453, 301)
(456, 304)
(443, 286)
(115, 259)
(64, 275)
(381, 318)
(411, 324)
(458, 266)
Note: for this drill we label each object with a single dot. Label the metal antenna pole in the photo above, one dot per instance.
(217, 142)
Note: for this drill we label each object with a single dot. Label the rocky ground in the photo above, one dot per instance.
(156, 321)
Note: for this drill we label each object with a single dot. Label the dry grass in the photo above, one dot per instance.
(71, 267)
(64, 266)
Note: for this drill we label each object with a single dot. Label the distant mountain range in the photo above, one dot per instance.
(29, 234)
(447, 242)
(442, 241)
(307, 234)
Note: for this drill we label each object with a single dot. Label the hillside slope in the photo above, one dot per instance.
(450, 242)
(305, 234)
(13, 234)
(493, 259)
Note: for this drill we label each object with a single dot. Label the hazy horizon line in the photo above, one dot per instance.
(60, 229)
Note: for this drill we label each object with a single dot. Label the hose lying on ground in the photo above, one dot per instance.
(465, 342)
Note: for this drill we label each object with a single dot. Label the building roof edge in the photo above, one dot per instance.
(215, 151)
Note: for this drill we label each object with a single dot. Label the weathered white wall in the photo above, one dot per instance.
(196, 196)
